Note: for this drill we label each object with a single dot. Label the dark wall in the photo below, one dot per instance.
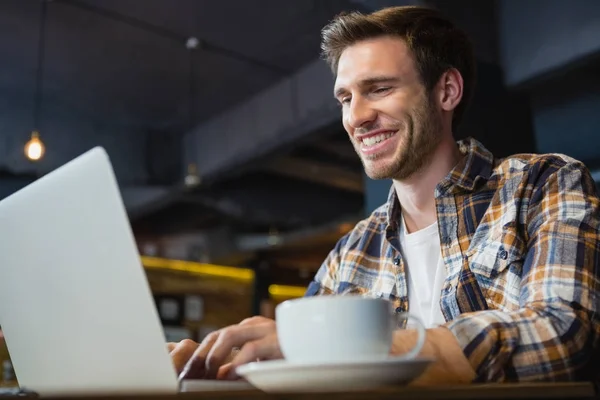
(566, 115)
(500, 119)
(540, 36)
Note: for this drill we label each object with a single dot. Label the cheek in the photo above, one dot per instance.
(345, 120)
(347, 127)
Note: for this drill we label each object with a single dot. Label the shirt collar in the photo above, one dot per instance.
(476, 164)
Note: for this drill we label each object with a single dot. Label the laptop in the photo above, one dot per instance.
(76, 309)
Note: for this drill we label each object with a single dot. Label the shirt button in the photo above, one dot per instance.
(503, 254)
(397, 261)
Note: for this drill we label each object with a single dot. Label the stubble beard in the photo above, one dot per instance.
(422, 135)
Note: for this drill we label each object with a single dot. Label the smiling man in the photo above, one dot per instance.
(498, 257)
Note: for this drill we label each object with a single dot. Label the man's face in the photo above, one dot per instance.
(392, 123)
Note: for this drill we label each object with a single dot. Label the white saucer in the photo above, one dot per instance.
(282, 376)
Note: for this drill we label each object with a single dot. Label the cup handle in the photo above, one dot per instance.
(420, 334)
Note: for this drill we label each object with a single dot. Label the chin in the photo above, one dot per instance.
(379, 176)
(378, 169)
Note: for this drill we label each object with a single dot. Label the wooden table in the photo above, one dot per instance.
(488, 391)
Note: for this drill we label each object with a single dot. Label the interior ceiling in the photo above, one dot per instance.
(126, 60)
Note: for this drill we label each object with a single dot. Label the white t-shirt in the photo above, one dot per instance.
(425, 272)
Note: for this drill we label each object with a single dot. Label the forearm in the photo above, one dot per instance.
(450, 366)
(493, 346)
(548, 342)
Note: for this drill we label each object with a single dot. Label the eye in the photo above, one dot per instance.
(345, 100)
(381, 89)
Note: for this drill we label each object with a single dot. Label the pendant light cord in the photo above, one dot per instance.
(192, 91)
(40, 67)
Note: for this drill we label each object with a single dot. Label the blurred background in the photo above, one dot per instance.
(227, 143)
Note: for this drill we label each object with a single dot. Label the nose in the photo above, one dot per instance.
(359, 113)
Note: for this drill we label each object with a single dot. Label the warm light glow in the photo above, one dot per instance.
(286, 291)
(34, 149)
(242, 274)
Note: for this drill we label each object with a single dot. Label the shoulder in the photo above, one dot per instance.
(547, 184)
(537, 171)
(537, 164)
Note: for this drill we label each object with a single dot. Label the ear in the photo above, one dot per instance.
(450, 89)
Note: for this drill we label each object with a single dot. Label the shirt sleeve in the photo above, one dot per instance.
(553, 334)
(325, 281)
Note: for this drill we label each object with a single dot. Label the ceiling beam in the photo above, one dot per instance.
(318, 172)
(260, 200)
(345, 152)
(281, 115)
(279, 207)
(299, 241)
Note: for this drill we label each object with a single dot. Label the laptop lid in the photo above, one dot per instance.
(75, 305)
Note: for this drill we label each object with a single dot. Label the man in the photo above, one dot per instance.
(500, 258)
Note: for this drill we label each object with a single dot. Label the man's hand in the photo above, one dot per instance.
(217, 356)
(450, 365)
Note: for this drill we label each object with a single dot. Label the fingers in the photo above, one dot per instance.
(195, 367)
(224, 371)
(215, 350)
(181, 353)
(255, 320)
(171, 346)
(238, 336)
(266, 348)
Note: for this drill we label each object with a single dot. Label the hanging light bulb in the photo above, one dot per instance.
(34, 148)
(192, 178)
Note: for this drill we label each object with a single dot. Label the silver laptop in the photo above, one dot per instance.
(75, 305)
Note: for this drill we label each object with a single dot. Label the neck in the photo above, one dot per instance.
(416, 194)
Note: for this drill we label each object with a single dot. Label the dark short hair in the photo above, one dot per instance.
(434, 41)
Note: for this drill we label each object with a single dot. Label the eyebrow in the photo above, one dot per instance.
(368, 82)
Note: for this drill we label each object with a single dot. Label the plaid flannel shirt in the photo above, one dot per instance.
(520, 240)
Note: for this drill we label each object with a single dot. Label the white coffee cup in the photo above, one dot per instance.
(334, 329)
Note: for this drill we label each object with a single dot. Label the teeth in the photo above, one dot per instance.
(373, 140)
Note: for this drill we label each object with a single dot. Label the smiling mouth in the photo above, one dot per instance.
(376, 139)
